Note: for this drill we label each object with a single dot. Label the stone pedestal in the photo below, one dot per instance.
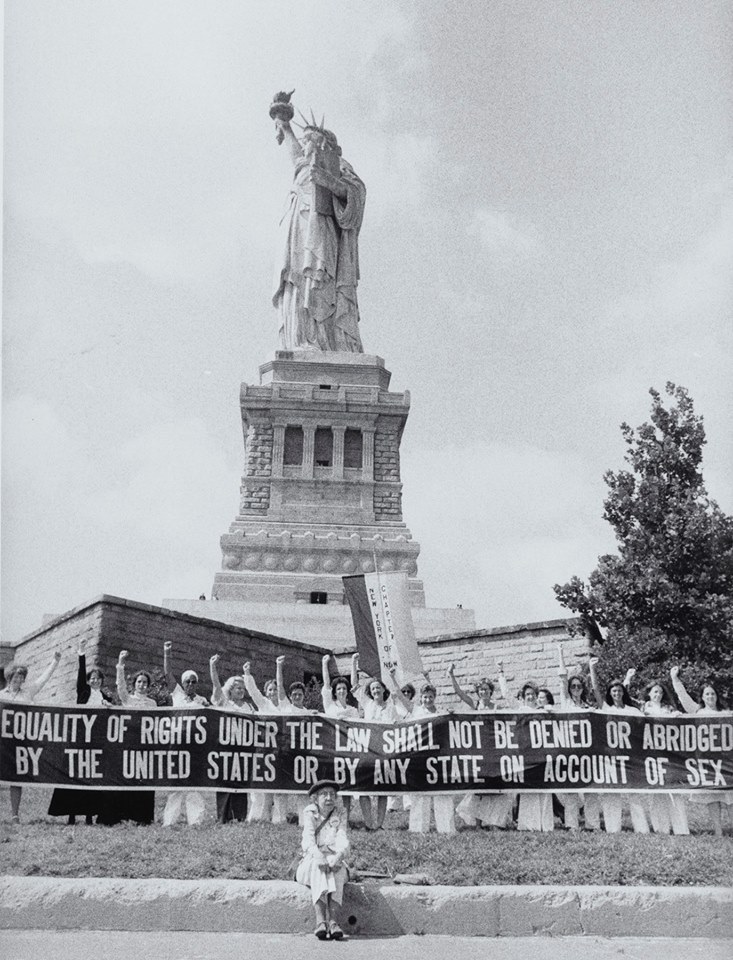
(321, 492)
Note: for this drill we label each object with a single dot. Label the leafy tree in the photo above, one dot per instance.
(667, 597)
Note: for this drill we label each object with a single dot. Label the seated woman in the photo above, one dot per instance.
(709, 706)
(17, 690)
(82, 803)
(325, 844)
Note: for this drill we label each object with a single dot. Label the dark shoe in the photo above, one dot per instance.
(335, 930)
(321, 932)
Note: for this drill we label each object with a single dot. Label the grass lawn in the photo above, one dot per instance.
(45, 846)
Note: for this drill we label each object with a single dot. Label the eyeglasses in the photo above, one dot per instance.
(576, 686)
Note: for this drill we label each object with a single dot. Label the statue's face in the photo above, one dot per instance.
(312, 142)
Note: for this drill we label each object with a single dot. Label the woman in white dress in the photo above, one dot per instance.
(667, 811)
(232, 698)
(423, 804)
(709, 706)
(617, 700)
(335, 696)
(376, 706)
(325, 844)
(486, 809)
(265, 805)
(575, 696)
(18, 690)
(535, 809)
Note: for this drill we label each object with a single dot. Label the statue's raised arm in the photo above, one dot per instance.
(318, 269)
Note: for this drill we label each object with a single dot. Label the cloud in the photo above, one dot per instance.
(500, 523)
(499, 235)
(143, 523)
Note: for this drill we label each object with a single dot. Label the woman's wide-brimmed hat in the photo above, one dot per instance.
(321, 785)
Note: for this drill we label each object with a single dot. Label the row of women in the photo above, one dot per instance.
(663, 812)
(360, 696)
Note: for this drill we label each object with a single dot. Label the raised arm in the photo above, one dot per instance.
(562, 672)
(285, 135)
(503, 686)
(325, 676)
(167, 669)
(688, 704)
(263, 704)
(217, 694)
(397, 692)
(592, 661)
(282, 696)
(34, 688)
(458, 689)
(122, 691)
(82, 685)
(355, 671)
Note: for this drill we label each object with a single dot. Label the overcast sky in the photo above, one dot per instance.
(548, 233)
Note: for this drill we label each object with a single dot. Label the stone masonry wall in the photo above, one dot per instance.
(528, 652)
(36, 652)
(387, 454)
(388, 502)
(111, 624)
(387, 489)
(257, 466)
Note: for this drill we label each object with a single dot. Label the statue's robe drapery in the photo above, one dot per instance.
(317, 276)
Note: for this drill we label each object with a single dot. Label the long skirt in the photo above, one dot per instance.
(320, 882)
(535, 812)
(137, 806)
(420, 809)
(230, 806)
(491, 809)
(612, 805)
(76, 803)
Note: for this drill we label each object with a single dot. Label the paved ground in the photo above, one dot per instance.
(86, 944)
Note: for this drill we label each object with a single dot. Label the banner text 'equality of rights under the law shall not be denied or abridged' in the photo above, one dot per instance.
(210, 748)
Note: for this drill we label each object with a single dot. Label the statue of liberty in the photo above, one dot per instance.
(318, 270)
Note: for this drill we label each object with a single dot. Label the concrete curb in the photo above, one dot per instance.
(277, 906)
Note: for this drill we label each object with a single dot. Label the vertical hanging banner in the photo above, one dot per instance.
(385, 634)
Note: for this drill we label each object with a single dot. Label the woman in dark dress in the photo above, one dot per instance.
(83, 803)
(135, 805)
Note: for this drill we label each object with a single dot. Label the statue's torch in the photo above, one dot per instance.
(282, 109)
